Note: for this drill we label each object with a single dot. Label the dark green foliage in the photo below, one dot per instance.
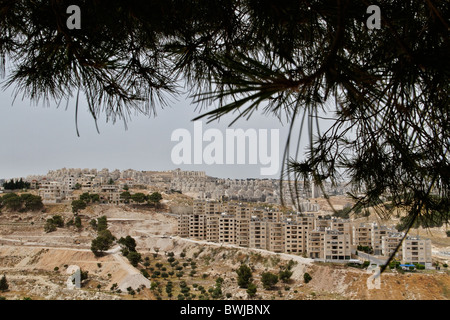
(244, 276)
(139, 197)
(78, 205)
(125, 196)
(366, 249)
(134, 258)
(285, 275)
(102, 223)
(307, 277)
(154, 198)
(269, 280)
(24, 202)
(78, 222)
(251, 290)
(102, 243)
(16, 184)
(128, 243)
(31, 202)
(55, 222)
(3, 284)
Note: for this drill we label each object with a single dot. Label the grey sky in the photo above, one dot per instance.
(36, 139)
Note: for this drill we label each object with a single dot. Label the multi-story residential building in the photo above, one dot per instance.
(212, 227)
(390, 242)
(344, 226)
(315, 243)
(275, 236)
(227, 228)
(183, 225)
(362, 235)
(416, 250)
(258, 233)
(377, 234)
(197, 226)
(336, 245)
(294, 237)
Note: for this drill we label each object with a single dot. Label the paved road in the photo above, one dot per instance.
(371, 258)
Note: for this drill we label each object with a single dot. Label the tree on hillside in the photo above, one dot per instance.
(31, 202)
(12, 201)
(125, 196)
(128, 244)
(3, 284)
(139, 197)
(102, 243)
(244, 276)
(269, 280)
(155, 198)
(78, 205)
(384, 88)
(102, 223)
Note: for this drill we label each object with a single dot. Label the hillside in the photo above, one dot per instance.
(35, 263)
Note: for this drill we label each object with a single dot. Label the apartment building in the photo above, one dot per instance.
(362, 235)
(390, 242)
(336, 245)
(320, 237)
(227, 228)
(183, 225)
(315, 243)
(275, 236)
(212, 227)
(197, 226)
(377, 234)
(258, 233)
(53, 192)
(416, 250)
(294, 237)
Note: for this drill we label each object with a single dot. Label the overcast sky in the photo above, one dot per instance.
(35, 139)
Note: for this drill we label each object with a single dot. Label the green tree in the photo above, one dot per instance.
(78, 222)
(3, 284)
(244, 276)
(94, 197)
(285, 275)
(155, 198)
(139, 197)
(78, 205)
(269, 280)
(251, 290)
(102, 243)
(307, 277)
(77, 186)
(134, 258)
(12, 201)
(102, 223)
(85, 197)
(49, 226)
(31, 202)
(125, 196)
(128, 243)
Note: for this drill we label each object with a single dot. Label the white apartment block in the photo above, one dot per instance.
(336, 245)
(323, 238)
(416, 250)
(390, 242)
(258, 233)
(362, 235)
